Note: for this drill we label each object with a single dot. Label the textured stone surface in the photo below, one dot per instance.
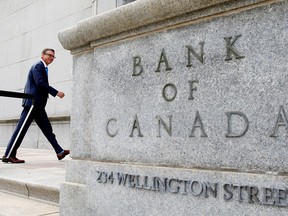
(73, 198)
(254, 85)
(81, 113)
(119, 197)
(226, 124)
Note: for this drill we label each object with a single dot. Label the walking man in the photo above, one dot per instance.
(37, 84)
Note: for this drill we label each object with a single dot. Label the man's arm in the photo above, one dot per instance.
(42, 81)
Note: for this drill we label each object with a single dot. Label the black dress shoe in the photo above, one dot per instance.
(62, 155)
(5, 159)
(12, 160)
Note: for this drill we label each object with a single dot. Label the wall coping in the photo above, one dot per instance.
(127, 17)
(127, 20)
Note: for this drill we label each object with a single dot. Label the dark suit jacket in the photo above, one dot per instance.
(37, 84)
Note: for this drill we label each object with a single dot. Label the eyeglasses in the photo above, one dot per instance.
(50, 55)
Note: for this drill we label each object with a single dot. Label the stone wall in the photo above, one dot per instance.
(180, 110)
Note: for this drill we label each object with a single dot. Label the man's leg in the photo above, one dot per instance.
(23, 116)
(44, 124)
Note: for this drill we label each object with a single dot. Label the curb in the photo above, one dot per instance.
(34, 191)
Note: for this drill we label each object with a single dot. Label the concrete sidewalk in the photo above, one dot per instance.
(32, 187)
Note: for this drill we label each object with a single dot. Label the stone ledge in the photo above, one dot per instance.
(128, 17)
(129, 20)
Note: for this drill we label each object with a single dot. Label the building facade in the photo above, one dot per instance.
(28, 26)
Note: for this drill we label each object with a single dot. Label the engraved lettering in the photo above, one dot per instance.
(138, 183)
(107, 128)
(163, 59)
(230, 134)
(173, 90)
(110, 178)
(198, 124)
(212, 188)
(196, 188)
(240, 190)
(185, 186)
(192, 88)
(281, 121)
(159, 184)
(136, 126)
(268, 196)
(253, 194)
(131, 181)
(229, 194)
(176, 188)
(145, 186)
(199, 57)
(280, 197)
(122, 178)
(230, 49)
(104, 177)
(99, 177)
(242, 193)
(166, 127)
(137, 67)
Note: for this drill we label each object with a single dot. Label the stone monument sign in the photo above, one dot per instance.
(179, 108)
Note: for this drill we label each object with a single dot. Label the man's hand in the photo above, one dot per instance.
(60, 94)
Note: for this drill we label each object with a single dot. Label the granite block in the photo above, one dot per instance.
(124, 189)
(220, 110)
(181, 113)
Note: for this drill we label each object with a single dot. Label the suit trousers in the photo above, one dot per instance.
(41, 119)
